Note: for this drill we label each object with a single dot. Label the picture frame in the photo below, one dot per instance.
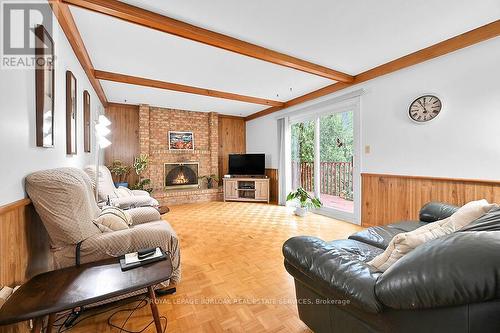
(180, 140)
(44, 88)
(86, 121)
(71, 114)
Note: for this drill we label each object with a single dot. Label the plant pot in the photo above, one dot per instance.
(299, 211)
(123, 184)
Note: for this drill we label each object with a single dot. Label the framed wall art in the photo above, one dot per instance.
(180, 140)
(86, 121)
(44, 87)
(71, 113)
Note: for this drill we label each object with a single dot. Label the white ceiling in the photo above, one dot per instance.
(346, 35)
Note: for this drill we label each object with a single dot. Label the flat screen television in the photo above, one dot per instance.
(247, 164)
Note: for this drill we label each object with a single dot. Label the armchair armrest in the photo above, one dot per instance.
(456, 269)
(144, 215)
(333, 269)
(139, 193)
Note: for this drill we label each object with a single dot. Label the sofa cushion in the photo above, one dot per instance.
(362, 251)
(335, 266)
(459, 268)
(380, 236)
(403, 243)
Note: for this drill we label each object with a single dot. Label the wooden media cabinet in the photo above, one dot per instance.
(246, 189)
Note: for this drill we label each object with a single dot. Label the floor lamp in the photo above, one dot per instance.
(101, 131)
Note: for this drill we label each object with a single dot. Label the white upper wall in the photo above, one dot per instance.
(346, 35)
(462, 142)
(20, 156)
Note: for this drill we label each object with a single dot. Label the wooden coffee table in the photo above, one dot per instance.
(72, 287)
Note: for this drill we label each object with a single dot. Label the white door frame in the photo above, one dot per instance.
(353, 105)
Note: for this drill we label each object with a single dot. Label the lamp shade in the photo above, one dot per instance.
(101, 130)
(103, 120)
(103, 142)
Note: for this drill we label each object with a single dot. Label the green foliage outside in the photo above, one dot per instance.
(336, 139)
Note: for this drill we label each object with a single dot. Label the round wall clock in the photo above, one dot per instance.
(425, 108)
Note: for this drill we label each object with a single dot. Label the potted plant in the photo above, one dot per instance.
(211, 179)
(305, 200)
(141, 163)
(121, 171)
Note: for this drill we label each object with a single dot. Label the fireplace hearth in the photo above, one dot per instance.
(181, 175)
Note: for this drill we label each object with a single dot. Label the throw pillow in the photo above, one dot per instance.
(113, 219)
(403, 243)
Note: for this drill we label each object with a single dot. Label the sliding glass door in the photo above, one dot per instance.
(303, 155)
(336, 138)
(325, 159)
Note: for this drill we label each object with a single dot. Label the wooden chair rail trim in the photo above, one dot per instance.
(444, 179)
(178, 28)
(122, 105)
(458, 42)
(14, 205)
(231, 116)
(140, 81)
(68, 25)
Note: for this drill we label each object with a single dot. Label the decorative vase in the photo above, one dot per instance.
(300, 211)
(123, 184)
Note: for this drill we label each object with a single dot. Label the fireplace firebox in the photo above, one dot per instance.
(181, 175)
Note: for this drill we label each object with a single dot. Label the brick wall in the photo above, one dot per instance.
(154, 125)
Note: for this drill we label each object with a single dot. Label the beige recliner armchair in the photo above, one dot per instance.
(65, 202)
(122, 199)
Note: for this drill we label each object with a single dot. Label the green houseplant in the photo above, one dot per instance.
(121, 171)
(140, 165)
(305, 201)
(211, 179)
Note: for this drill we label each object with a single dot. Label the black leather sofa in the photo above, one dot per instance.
(451, 284)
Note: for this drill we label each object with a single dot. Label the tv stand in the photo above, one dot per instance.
(246, 188)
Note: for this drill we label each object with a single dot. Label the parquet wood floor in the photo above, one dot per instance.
(231, 254)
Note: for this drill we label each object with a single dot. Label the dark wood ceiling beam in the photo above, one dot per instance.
(466, 39)
(171, 26)
(122, 78)
(67, 23)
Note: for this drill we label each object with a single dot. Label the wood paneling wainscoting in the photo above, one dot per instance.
(273, 185)
(124, 136)
(389, 198)
(24, 248)
(232, 140)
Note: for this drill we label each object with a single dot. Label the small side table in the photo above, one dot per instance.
(77, 286)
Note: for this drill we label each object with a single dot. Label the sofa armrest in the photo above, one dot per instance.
(435, 211)
(134, 201)
(334, 269)
(140, 193)
(456, 269)
(144, 215)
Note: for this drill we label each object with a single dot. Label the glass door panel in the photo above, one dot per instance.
(336, 150)
(302, 155)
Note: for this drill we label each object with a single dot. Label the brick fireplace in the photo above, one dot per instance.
(154, 125)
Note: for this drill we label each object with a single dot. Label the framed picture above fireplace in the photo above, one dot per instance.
(180, 140)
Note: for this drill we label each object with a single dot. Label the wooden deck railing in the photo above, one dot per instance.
(336, 177)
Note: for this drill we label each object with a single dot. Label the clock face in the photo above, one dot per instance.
(425, 108)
